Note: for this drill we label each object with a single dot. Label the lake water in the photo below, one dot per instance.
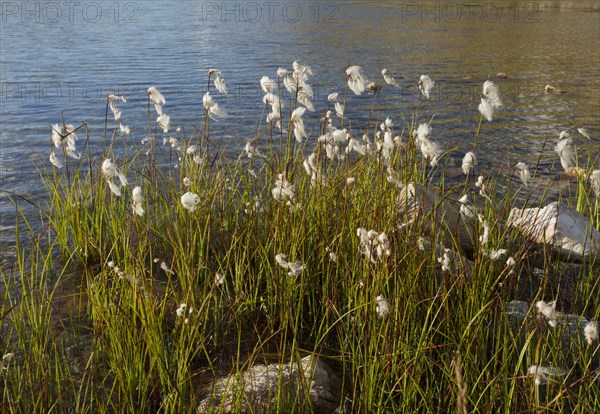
(64, 58)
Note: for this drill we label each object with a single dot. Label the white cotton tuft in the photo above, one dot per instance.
(55, 161)
(163, 122)
(220, 84)
(356, 79)
(490, 100)
(426, 85)
(267, 84)
(137, 201)
(297, 121)
(468, 163)
(524, 173)
(111, 172)
(445, 260)
(213, 109)
(156, 96)
(486, 110)
(584, 132)
(548, 310)
(190, 201)
(283, 190)
(545, 374)
(389, 78)
(566, 151)
(383, 307)
(590, 332)
(595, 182)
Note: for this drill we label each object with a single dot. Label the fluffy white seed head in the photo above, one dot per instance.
(548, 310)
(486, 110)
(389, 78)
(495, 255)
(111, 172)
(584, 132)
(566, 151)
(213, 109)
(445, 260)
(163, 122)
(156, 96)
(283, 190)
(590, 332)
(356, 79)
(426, 85)
(181, 310)
(55, 161)
(524, 173)
(383, 307)
(490, 100)
(297, 121)
(65, 137)
(137, 201)
(220, 84)
(544, 375)
(468, 163)
(595, 182)
(190, 201)
(282, 72)
(267, 84)
(422, 133)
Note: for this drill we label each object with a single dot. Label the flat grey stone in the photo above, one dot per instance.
(256, 389)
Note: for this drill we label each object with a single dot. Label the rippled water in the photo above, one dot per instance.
(56, 60)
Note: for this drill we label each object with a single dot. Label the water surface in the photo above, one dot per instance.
(56, 62)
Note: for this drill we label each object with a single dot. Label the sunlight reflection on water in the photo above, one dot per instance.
(69, 67)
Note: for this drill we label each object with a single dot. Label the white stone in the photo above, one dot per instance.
(260, 385)
(568, 233)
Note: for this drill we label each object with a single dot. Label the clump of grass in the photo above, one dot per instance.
(194, 289)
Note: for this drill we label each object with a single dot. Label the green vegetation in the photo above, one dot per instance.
(97, 322)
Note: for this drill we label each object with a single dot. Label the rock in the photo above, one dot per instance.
(517, 310)
(261, 383)
(501, 75)
(440, 214)
(567, 232)
(552, 89)
(566, 336)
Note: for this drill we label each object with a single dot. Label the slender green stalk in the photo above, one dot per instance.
(106, 310)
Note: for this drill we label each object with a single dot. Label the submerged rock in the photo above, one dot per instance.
(567, 232)
(256, 389)
(564, 337)
(440, 214)
(552, 89)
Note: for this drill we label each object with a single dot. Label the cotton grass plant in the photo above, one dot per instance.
(187, 266)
